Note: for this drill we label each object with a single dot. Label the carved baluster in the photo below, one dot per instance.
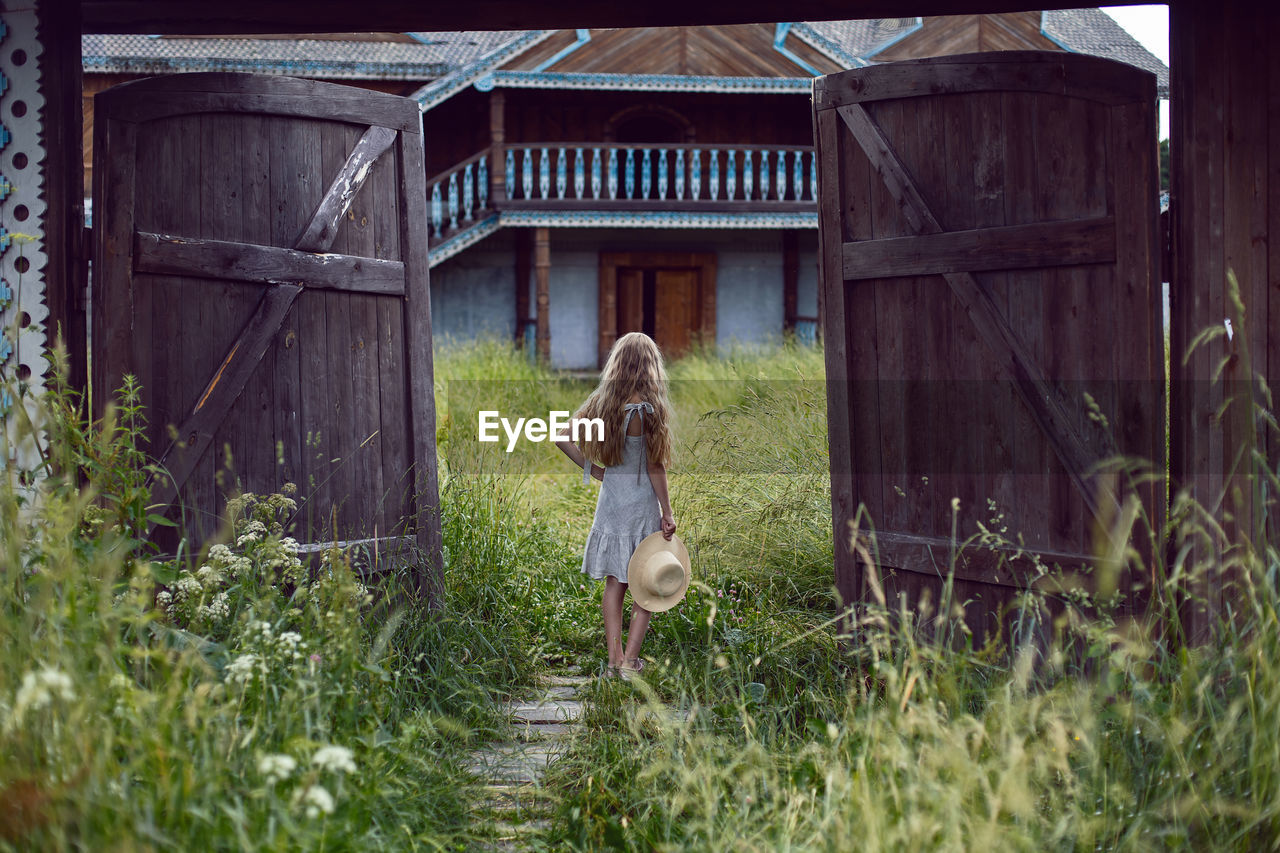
(765, 173)
(680, 174)
(748, 174)
(613, 173)
(797, 176)
(468, 194)
(482, 183)
(662, 174)
(646, 176)
(780, 179)
(695, 174)
(453, 200)
(562, 169)
(715, 175)
(526, 173)
(511, 172)
(631, 174)
(544, 175)
(595, 173)
(579, 174)
(437, 210)
(731, 175)
(813, 178)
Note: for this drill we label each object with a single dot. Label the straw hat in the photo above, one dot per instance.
(659, 573)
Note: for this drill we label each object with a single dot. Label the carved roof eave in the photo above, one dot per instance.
(644, 82)
(438, 91)
(441, 252)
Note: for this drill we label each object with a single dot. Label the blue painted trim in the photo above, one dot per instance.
(438, 91)
(650, 82)
(440, 252)
(584, 36)
(821, 43)
(1044, 21)
(888, 43)
(779, 44)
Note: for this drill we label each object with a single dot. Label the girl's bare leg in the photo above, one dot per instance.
(635, 633)
(611, 609)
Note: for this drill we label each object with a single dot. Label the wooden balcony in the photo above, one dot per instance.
(620, 178)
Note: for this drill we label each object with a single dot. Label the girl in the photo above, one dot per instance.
(632, 467)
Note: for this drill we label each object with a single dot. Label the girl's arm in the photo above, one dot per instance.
(658, 476)
(575, 453)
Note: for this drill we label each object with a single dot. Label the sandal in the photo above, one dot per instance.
(635, 666)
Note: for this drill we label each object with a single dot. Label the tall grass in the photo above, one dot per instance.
(756, 729)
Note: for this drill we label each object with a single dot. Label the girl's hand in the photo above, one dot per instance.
(668, 525)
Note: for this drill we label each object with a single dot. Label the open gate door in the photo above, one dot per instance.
(260, 265)
(992, 313)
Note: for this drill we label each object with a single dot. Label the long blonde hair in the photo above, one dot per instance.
(633, 372)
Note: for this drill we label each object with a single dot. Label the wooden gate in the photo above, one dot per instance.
(992, 312)
(260, 265)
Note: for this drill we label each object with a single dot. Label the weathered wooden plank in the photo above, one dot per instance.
(169, 254)
(421, 382)
(542, 277)
(1006, 346)
(1071, 75)
(320, 232)
(112, 298)
(358, 106)
(827, 131)
(282, 16)
(196, 432)
(1011, 247)
(287, 380)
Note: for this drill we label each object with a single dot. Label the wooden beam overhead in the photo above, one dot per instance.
(331, 16)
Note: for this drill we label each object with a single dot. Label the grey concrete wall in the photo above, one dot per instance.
(472, 294)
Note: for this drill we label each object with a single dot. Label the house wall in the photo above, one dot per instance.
(473, 294)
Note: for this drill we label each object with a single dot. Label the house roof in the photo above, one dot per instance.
(1089, 31)
(450, 56)
(408, 56)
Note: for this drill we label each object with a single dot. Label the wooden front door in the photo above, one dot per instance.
(992, 314)
(260, 266)
(668, 296)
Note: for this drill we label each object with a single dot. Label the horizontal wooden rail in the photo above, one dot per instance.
(1041, 244)
(167, 254)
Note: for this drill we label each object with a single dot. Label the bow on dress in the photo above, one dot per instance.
(631, 409)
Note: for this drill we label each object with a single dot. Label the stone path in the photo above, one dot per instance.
(514, 803)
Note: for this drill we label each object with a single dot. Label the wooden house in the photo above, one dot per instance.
(585, 183)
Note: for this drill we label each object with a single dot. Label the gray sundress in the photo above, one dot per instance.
(627, 509)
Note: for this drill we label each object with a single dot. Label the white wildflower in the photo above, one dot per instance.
(208, 575)
(335, 758)
(291, 645)
(217, 609)
(241, 669)
(290, 544)
(221, 555)
(240, 566)
(187, 587)
(253, 532)
(277, 767)
(38, 690)
(318, 801)
(164, 599)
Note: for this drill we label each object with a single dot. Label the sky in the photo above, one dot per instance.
(1149, 25)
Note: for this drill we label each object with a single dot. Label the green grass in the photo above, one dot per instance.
(130, 720)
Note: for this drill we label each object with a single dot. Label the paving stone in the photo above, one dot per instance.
(551, 711)
(565, 680)
(543, 731)
(514, 762)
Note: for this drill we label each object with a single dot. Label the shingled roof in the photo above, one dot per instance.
(421, 56)
(1090, 31)
(429, 56)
